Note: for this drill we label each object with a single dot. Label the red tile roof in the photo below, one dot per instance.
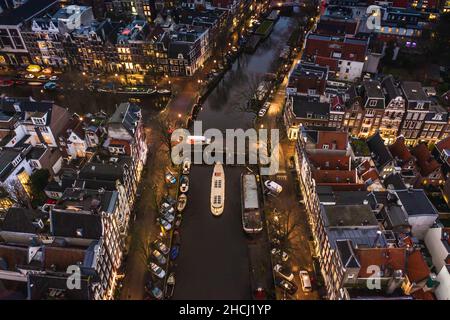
(324, 46)
(324, 160)
(371, 174)
(400, 150)
(423, 295)
(384, 258)
(425, 160)
(334, 176)
(417, 267)
(330, 138)
(443, 144)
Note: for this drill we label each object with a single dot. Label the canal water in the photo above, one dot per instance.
(214, 260)
(83, 101)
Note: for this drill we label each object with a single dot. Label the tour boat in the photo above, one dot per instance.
(217, 190)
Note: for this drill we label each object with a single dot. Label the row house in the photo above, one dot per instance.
(373, 103)
(394, 109)
(131, 44)
(307, 79)
(131, 8)
(13, 48)
(80, 231)
(417, 107)
(344, 56)
(88, 219)
(114, 174)
(38, 122)
(92, 47)
(188, 50)
(45, 35)
(304, 111)
(80, 137)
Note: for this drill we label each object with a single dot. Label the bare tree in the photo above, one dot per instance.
(283, 226)
(164, 131)
(20, 195)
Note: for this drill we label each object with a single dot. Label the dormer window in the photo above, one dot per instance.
(373, 103)
(38, 121)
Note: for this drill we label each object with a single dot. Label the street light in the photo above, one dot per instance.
(179, 115)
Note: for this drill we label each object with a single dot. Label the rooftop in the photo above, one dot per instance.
(416, 202)
(25, 12)
(360, 216)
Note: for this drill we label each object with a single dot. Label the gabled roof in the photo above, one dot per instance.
(395, 180)
(381, 154)
(416, 202)
(443, 144)
(71, 224)
(53, 286)
(127, 115)
(348, 257)
(426, 162)
(22, 220)
(400, 150)
(388, 259)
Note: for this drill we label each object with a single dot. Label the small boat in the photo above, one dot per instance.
(170, 285)
(217, 190)
(182, 201)
(184, 184)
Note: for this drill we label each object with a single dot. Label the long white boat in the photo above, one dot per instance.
(218, 190)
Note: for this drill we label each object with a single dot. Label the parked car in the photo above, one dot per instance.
(186, 166)
(154, 291)
(166, 207)
(53, 78)
(158, 244)
(164, 223)
(174, 252)
(273, 186)
(29, 76)
(167, 216)
(176, 240)
(159, 257)
(184, 184)
(290, 287)
(283, 272)
(157, 270)
(305, 281)
(262, 112)
(170, 178)
(170, 200)
(42, 77)
(50, 86)
(266, 105)
(278, 253)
